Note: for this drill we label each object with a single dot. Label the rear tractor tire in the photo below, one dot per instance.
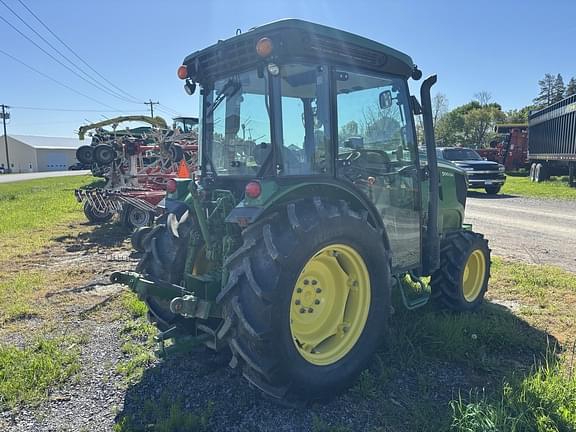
(307, 300)
(137, 238)
(163, 259)
(462, 279)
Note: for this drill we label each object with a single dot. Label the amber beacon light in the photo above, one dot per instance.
(264, 47)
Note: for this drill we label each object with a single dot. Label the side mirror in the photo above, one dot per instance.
(385, 99)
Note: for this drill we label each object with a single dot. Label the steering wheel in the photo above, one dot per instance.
(361, 153)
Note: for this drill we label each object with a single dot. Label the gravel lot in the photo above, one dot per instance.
(526, 229)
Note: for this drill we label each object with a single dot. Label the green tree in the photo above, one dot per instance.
(559, 89)
(571, 87)
(519, 115)
(546, 94)
(470, 125)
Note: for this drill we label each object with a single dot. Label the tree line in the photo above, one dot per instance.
(472, 124)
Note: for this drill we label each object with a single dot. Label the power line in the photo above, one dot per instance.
(55, 80)
(93, 81)
(74, 52)
(49, 54)
(171, 111)
(73, 109)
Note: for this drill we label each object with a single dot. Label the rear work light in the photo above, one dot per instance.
(171, 186)
(253, 189)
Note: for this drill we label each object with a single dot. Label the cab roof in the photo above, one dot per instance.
(295, 39)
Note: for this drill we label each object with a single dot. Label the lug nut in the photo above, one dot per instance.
(302, 310)
(310, 310)
(318, 290)
(317, 301)
(306, 281)
(297, 302)
(314, 282)
(298, 290)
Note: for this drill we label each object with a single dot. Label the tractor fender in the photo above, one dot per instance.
(247, 213)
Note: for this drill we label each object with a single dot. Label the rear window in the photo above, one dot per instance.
(460, 154)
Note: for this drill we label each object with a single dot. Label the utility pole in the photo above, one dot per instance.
(6, 116)
(151, 106)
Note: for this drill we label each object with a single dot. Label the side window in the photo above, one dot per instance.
(373, 116)
(305, 120)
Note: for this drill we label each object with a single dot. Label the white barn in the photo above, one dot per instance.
(29, 153)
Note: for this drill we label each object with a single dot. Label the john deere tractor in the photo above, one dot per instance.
(313, 203)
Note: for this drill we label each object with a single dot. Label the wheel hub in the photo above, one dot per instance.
(330, 304)
(473, 275)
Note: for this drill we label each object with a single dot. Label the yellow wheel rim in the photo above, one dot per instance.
(329, 305)
(473, 277)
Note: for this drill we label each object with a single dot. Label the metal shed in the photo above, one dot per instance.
(28, 153)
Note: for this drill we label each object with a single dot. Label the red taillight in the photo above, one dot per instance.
(253, 189)
(183, 72)
(171, 186)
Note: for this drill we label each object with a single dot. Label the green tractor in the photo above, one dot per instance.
(312, 205)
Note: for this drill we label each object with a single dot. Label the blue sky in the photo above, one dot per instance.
(503, 47)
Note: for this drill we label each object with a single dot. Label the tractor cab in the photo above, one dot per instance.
(301, 108)
(312, 204)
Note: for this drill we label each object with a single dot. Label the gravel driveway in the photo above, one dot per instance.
(527, 229)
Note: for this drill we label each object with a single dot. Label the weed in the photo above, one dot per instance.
(543, 401)
(319, 425)
(139, 334)
(26, 374)
(136, 307)
(366, 386)
(164, 415)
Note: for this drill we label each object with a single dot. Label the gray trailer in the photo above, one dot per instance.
(552, 141)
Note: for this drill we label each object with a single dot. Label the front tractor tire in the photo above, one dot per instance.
(307, 300)
(462, 279)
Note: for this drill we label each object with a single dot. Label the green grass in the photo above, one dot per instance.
(556, 188)
(31, 211)
(543, 401)
(139, 339)
(26, 374)
(16, 293)
(135, 307)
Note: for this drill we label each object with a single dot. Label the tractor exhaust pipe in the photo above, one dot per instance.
(431, 252)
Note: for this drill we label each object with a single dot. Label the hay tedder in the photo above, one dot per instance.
(136, 164)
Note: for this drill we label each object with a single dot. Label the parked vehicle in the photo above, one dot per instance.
(511, 147)
(79, 166)
(481, 173)
(552, 141)
(311, 207)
